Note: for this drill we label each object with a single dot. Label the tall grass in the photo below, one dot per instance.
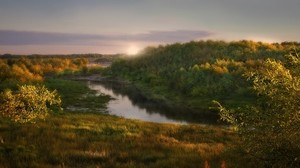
(91, 140)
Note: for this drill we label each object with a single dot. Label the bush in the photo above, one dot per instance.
(28, 103)
(270, 129)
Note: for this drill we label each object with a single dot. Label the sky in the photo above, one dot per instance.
(127, 26)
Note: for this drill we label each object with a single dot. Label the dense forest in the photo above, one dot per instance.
(199, 72)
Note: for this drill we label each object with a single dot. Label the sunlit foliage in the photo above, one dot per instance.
(28, 103)
(204, 69)
(34, 69)
(270, 129)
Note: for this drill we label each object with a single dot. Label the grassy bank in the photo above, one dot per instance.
(77, 96)
(201, 104)
(90, 140)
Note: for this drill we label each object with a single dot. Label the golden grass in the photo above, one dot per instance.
(97, 140)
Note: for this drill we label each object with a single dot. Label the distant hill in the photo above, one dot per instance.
(199, 71)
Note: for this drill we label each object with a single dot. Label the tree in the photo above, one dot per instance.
(28, 103)
(270, 129)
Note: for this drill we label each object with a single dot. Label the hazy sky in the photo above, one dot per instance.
(113, 26)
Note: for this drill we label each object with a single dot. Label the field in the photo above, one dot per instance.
(91, 140)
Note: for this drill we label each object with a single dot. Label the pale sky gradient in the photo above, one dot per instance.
(113, 26)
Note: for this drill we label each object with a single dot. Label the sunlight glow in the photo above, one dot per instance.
(133, 50)
(262, 39)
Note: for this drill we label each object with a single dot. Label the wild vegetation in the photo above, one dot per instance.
(198, 72)
(254, 80)
(95, 140)
(34, 68)
(270, 129)
(24, 70)
(89, 139)
(28, 103)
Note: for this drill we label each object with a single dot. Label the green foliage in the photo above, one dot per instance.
(270, 129)
(77, 96)
(203, 69)
(28, 103)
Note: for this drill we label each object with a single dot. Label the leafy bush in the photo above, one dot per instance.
(270, 129)
(28, 103)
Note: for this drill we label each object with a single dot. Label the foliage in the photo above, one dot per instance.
(26, 69)
(29, 103)
(203, 69)
(270, 130)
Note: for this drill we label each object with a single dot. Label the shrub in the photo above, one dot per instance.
(270, 129)
(28, 103)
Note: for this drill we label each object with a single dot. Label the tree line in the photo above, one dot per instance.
(202, 69)
(24, 69)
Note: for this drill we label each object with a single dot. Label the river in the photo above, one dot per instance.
(128, 102)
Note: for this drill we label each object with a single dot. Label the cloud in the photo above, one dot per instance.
(168, 36)
(11, 37)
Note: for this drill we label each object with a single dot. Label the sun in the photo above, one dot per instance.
(133, 50)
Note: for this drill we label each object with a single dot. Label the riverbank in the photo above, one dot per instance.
(76, 95)
(94, 78)
(157, 94)
(141, 103)
(74, 139)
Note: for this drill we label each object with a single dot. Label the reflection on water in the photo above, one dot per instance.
(129, 103)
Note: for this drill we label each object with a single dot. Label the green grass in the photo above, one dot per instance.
(77, 95)
(90, 140)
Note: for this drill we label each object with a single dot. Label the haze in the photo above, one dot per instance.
(119, 26)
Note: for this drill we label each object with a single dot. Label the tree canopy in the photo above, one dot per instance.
(270, 129)
(204, 69)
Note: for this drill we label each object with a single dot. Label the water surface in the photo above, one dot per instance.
(128, 102)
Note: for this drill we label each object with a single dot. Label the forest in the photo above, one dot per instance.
(199, 72)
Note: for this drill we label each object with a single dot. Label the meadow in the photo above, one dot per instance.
(97, 140)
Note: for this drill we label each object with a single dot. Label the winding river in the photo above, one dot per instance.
(128, 102)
